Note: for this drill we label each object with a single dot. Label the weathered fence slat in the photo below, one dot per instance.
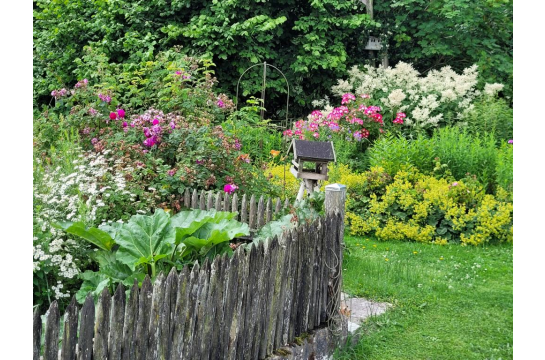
(235, 297)
(249, 292)
(218, 201)
(210, 201)
(261, 303)
(287, 203)
(277, 206)
(287, 328)
(51, 345)
(306, 281)
(190, 315)
(252, 310)
(116, 326)
(295, 322)
(166, 326)
(252, 216)
(204, 279)
(218, 302)
(208, 342)
(142, 327)
(155, 313)
(227, 202)
(271, 298)
(202, 200)
(268, 211)
(234, 206)
(318, 264)
(102, 326)
(284, 264)
(182, 297)
(69, 338)
(129, 326)
(260, 213)
(36, 334)
(187, 199)
(244, 210)
(308, 323)
(86, 326)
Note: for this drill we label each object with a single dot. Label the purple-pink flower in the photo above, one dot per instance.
(510, 141)
(155, 122)
(121, 113)
(230, 188)
(220, 104)
(113, 116)
(125, 124)
(171, 172)
(94, 141)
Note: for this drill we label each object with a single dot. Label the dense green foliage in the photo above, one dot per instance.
(313, 43)
(451, 151)
(447, 302)
(458, 33)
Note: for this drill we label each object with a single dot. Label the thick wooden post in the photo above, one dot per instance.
(335, 198)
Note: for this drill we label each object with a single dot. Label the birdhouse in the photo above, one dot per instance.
(310, 159)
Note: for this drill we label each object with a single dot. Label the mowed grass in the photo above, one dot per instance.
(448, 302)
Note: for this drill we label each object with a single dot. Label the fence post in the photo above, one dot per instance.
(335, 198)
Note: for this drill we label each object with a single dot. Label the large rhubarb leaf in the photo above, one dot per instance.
(187, 222)
(214, 233)
(98, 237)
(145, 239)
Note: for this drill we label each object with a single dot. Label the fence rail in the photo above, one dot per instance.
(239, 307)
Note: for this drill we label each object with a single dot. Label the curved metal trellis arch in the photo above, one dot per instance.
(264, 85)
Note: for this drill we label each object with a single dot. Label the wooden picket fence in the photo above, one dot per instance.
(254, 212)
(240, 307)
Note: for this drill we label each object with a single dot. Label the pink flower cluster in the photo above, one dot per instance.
(81, 83)
(57, 94)
(347, 98)
(399, 118)
(183, 75)
(105, 98)
(230, 188)
(356, 122)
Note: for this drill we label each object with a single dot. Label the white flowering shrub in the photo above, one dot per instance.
(93, 189)
(442, 97)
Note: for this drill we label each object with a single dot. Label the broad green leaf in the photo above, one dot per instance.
(224, 230)
(145, 236)
(187, 222)
(95, 236)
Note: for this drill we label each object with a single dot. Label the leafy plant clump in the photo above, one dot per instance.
(148, 244)
(417, 207)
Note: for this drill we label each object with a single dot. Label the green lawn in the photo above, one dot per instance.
(449, 302)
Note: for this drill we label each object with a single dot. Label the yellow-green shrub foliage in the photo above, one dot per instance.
(417, 207)
(359, 186)
(275, 174)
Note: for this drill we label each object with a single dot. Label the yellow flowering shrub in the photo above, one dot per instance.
(275, 174)
(417, 207)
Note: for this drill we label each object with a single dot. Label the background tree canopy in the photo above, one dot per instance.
(312, 42)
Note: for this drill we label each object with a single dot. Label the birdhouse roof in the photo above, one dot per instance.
(316, 151)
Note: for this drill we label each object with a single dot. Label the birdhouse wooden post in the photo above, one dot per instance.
(309, 163)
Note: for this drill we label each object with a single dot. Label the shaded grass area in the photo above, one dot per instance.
(448, 302)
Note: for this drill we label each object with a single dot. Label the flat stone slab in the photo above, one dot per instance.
(359, 309)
